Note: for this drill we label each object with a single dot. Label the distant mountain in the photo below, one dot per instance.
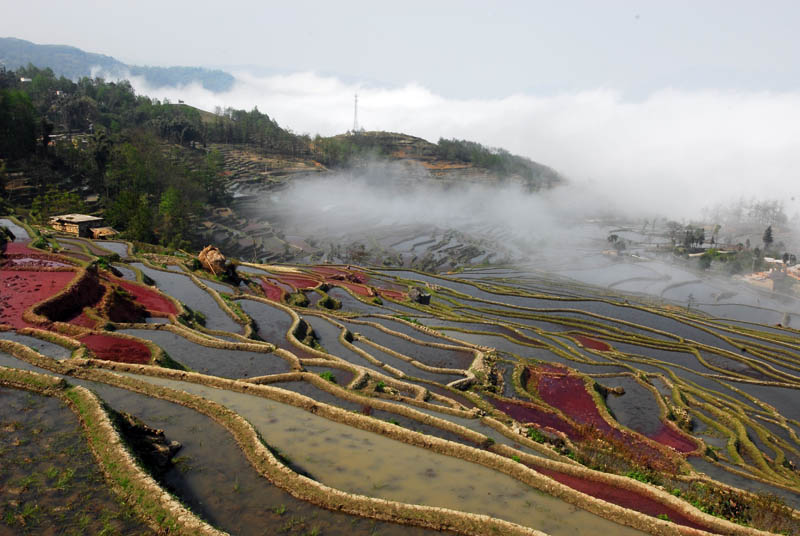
(75, 63)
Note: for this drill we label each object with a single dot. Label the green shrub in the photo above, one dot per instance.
(536, 435)
(328, 375)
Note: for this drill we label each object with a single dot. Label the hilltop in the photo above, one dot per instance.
(74, 63)
(185, 177)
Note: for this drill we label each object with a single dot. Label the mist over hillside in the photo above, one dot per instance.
(75, 63)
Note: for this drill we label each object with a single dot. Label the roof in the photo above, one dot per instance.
(104, 231)
(75, 218)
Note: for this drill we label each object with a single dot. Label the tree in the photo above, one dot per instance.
(767, 238)
(212, 177)
(17, 125)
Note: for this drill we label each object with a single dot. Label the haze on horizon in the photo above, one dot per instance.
(661, 106)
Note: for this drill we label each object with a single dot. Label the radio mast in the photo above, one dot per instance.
(355, 116)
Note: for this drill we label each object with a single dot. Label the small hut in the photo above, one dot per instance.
(76, 224)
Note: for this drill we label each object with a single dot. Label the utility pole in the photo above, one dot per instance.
(355, 116)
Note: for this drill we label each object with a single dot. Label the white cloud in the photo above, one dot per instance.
(671, 153)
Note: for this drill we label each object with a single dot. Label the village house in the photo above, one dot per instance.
(81, 225)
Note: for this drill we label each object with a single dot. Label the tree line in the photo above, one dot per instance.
(92, 136)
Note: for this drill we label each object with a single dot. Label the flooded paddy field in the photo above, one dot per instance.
(50, 483)
(181, 287)
(545, 369)
(213, 361)
(319, 447)
(211, 475)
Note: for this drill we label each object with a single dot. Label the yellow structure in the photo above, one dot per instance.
(76, 224)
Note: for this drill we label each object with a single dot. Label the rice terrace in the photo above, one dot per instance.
(400, 269)
(337, 399)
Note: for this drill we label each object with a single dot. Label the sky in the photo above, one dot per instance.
(668, 106)
(458, 49)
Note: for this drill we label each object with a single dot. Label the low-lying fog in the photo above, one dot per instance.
(666, 156)
(672, 152)
(407, 218)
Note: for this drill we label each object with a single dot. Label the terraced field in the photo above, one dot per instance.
(342, 400)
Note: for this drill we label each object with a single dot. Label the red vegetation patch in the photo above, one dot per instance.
(84, 321)
(117, 349)
(18, 248)
(148, 298)
(298, 281)
(619, 496)
(20, 290)
(594, 344)
(333, 272)
(355, 288)
(667, 435)
(272, 292)
(567, 392)
(283, 286)
(32, 261)
(528, 413)
(392, 294)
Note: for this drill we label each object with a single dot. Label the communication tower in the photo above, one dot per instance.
(355, 115)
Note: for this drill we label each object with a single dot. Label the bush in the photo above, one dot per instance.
(328, 375)
(536, 435)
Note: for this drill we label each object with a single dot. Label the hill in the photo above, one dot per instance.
(74, 63)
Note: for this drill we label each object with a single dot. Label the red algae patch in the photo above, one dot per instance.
(117, 349)
(341, 274)
(18, 248)
(528, 413)
(670, 437)
(593, 344)
(355, 288)
(20, 290)
(29, 259)
(272, 292)
(148, 298)
(83, 320)
(298, 281)
(567, 392)
(619, 496)
(392, 294)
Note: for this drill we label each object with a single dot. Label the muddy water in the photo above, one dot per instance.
(127, 273)
(400, 327)
(272, 324)
(20, 234)
(120, 248)
(637, 408)
(369, 464)
(342, 377)
(741, 482)
(215, 361)
(477, 426)
(436, 357)
(349, 303)
(49, 483)
(212, 477)
(219, 287)
(43, 347)
(314, 392)
(7, 360)
(95, 250)
(328, 336)
(183, 289)
(784, 399)
(407, 367)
